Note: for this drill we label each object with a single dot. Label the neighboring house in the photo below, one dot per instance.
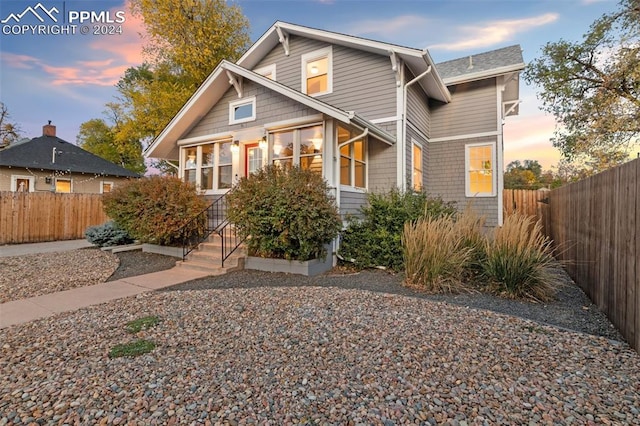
(48, 163)
(367, 115)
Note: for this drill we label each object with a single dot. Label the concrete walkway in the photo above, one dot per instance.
(49, 247)
(25, 310)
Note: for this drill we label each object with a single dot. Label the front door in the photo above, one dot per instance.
(252, 158)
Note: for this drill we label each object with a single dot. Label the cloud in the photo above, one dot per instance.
(529, 138)
(493, 32)
(125, 47)
(389, 27)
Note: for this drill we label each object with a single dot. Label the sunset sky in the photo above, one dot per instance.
(68, 78)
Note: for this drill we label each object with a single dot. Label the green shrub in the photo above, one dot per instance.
(376, 239)
(154, 209)
(436, 253)
(286, 213)
(132, 349)
(106, 235)
(140, 324)
(519, 262)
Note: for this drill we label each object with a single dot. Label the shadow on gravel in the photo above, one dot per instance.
(571, 310)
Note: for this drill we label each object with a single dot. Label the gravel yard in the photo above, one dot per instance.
(301, 355)
(258, 348)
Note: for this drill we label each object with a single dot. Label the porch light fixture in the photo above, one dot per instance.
(235, 147)
(263, 143)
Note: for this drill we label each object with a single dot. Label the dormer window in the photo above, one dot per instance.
(317, 72)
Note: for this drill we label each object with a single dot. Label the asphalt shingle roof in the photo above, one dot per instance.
(486, 61)
(38, 154)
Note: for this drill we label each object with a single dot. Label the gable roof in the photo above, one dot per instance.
(483, 65)
(38, 154)
(217, 84)
(418, 60)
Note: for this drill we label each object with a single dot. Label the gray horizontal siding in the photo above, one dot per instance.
(382, 166)
(362, 81)
(472, 110)
(446, 178)
(270, 106)
(418, 106)
(350, 203)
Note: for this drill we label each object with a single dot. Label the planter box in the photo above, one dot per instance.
(164, 250)
(308, 268)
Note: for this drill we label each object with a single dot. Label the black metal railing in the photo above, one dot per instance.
(210, 220)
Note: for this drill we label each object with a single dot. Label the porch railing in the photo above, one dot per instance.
(213, 219)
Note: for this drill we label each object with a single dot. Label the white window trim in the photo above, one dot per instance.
(70, 180)
(352, 171)
(467, 190)
(266, 70)
(102, 186)
(313, 56)
(233, 105)
(419, 146)
(14, 182)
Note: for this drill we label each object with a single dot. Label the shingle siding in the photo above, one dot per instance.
(473, 109)
(270, 107)
(446, 177)
(362, 81)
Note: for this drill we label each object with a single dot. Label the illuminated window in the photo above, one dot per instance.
(106, 187)
(63, 185)
(480, 170)
(416, 166)
(190, 164)
(242, 111)
(302, 147)
(206, 167)
(353, 166)
(269, 71)
(317, 78)
(22, 183)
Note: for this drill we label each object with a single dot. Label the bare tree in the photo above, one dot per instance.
(9, 132)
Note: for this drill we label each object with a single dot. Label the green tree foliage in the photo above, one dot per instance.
(593, 86)
(525, 175)
(9, 132)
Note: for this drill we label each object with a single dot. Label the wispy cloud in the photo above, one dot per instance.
(493, 32)
(125, 47)
(388, 28)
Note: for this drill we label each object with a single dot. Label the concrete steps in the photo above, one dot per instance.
(207, 258)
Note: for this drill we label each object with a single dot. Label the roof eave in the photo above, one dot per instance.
(494, 72)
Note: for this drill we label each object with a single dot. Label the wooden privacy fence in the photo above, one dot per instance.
(45, 216)
(595, 224)
(528, 202)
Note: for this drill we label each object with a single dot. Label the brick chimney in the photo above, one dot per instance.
(49, 129)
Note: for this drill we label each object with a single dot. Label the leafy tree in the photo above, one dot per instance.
(526, 175)
(9, 132)
(593, 86)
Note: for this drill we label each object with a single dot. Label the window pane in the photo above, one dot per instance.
(254, 159)
(345, 151)
(282, 144)
(207, 155)
(311, 140)
(480, 170)
(190, 175)
(345, 171)
(106, 187)
(317, 67)
(63, 186)
(206, 178)
(480, 182)
(224, 157)
(22, 185)
(360, 174)
(190, 158)
(343, 134)
(286, 163)
(358, 150)
(243, 111)
(312, 162)
(317, 84)
(224, 177)
(417, 168)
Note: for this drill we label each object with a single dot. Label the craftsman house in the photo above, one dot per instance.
(48, 163)
(365, 114)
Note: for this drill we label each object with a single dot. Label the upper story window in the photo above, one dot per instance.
(353, 165)
(317, 72)
(269, 71)
(480, 170)
(242, 110)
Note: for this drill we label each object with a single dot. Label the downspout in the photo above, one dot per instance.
(404, 126)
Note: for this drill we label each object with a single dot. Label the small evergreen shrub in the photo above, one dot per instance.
(106, 235)
(286, 213)
(376, 239)
(519, 262)
(132, 349)
(142, 323)
(437, 253)
(155, 209)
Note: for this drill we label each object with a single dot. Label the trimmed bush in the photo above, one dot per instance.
(437, 253)
(376, 239)
(286, 213)
(519, 261)
(155, 209)
(106, 235)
